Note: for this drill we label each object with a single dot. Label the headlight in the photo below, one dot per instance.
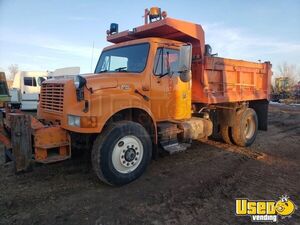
(74, 121)
(83, 121)
(79, 81)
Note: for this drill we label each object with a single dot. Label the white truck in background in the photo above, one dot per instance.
(27, 84)
(25, 88)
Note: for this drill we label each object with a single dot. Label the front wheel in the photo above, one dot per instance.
(121, 153)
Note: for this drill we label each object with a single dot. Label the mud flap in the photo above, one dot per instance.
(261, 109)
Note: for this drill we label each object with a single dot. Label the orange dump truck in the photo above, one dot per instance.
(158, 87)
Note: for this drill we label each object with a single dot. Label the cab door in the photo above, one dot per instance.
(30, 85)
(170, 97)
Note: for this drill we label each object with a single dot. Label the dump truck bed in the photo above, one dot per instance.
(230, 80)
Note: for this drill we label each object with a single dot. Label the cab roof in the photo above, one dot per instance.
(142, 40)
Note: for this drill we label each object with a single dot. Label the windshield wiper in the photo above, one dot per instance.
(103, 71)
(121, 69)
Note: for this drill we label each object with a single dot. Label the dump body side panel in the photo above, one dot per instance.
(229, 80)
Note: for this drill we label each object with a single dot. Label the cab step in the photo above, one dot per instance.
(176, 147)
(168, 137)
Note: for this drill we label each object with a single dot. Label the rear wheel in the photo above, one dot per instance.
(121, 153)
(245, 129)
(226, 134)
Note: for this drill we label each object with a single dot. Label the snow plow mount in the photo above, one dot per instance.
(18, 131)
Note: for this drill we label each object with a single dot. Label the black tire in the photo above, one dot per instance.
(225, 133)
(245, 129)
(102, 152)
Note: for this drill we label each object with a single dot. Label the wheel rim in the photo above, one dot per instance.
(127, 154)
(250, 127)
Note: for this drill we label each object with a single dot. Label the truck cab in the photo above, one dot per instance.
(149, 66)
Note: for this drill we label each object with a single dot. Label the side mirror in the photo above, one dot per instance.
(185, 62)
(40, 80)
(185, 76)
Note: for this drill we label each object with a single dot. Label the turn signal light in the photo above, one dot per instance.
(88, 121)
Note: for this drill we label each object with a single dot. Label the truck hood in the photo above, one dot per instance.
(96, 82)
(103, 81)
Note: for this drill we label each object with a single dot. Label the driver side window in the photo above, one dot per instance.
(166, 62)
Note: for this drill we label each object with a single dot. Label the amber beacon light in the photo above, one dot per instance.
(154, 14)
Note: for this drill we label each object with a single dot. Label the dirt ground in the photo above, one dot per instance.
(198, 186)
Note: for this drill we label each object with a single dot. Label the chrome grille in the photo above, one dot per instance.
(52, 97)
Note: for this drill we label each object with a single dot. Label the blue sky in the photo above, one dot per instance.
(45, 35)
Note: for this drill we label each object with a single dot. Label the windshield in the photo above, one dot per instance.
(124, 59)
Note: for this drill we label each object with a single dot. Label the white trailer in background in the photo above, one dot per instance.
(27, 84)
(25, 88)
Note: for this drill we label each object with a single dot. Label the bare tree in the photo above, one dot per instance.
(288, 71)
(13, 69)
